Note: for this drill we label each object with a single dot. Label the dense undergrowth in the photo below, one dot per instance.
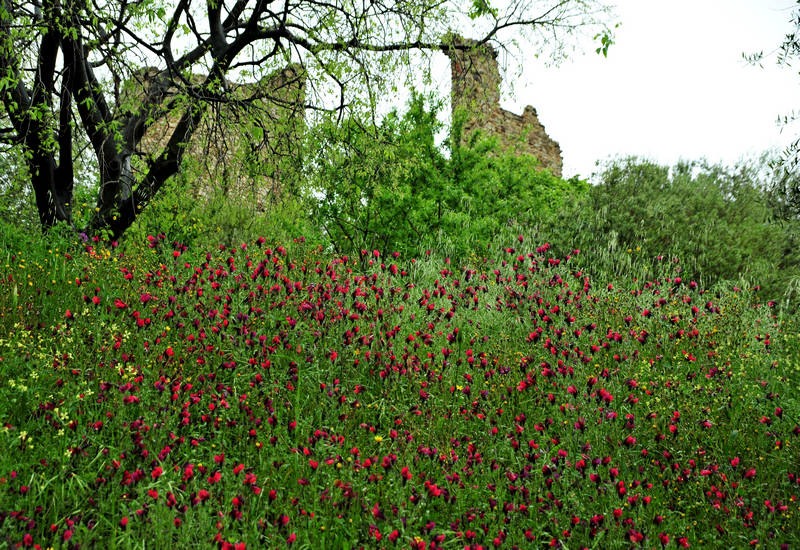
(390, 187)
(723, 224)
(461, 351)
(274, 394)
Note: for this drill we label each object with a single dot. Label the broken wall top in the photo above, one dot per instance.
(476, 91)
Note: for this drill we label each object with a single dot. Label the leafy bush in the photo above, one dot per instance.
(714, 220)
(217, 214)
(383, 186)
(390, 187)
(782, 190)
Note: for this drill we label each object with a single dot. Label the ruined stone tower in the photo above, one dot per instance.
(476, 91)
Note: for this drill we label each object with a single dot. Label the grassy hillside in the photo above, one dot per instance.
(273, 395)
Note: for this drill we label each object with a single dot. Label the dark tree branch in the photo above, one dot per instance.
(172, 26)
(45, 69)
(216, 31)
(92, 107)
(65, 173)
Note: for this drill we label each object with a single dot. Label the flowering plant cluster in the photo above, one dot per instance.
(271, 396)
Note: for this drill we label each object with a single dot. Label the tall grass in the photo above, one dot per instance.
(275, 395)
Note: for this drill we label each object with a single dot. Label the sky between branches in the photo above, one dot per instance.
(674, 85)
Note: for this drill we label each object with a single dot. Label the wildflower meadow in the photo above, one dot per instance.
(273, 395)
(310, 275)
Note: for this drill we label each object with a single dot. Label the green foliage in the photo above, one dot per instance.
(382, 186)
(480, 8)
(715, 221)
(183, 216)
(783, 192)
(16, 199)
(506, 188)
(606, 39)
(389, 187)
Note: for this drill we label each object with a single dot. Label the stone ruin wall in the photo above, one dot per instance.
(476, 90)
(223, 155)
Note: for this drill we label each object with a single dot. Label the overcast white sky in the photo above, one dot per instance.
(674, 86)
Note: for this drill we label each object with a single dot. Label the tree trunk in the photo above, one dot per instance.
(52, 189)
(122, 209)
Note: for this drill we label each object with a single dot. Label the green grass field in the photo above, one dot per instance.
(155, 396)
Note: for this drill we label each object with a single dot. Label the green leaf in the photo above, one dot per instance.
(480, 8)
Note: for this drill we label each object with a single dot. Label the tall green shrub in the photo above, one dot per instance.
(390, 187)
(715, 221)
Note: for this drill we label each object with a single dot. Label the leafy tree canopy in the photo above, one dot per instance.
(64, 66)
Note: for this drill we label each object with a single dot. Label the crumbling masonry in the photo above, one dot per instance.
(476, 92)
(242, 149)
(243, 156)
